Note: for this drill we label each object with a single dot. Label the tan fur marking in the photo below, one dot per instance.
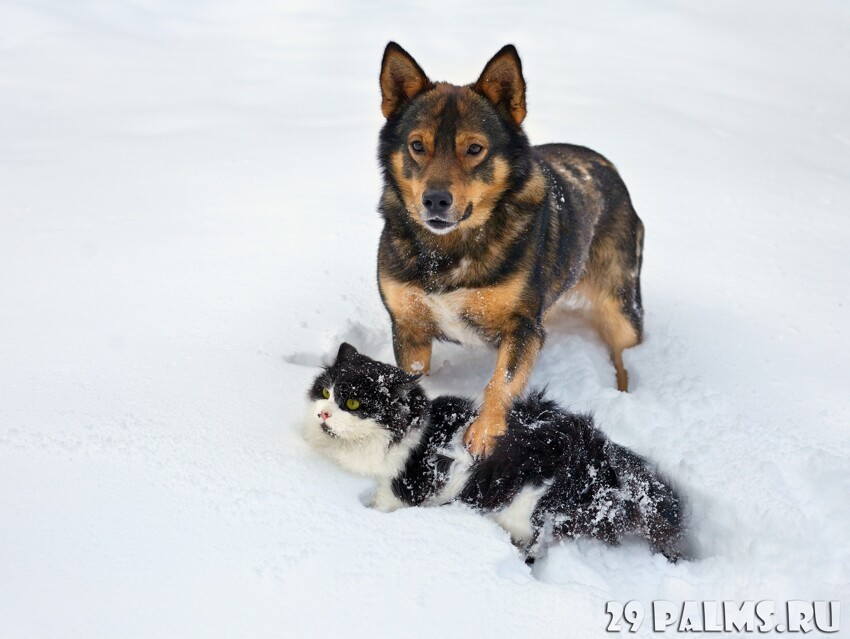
(535, 188)
(463, 139)
(482, 195)
(498, 395)
(614, 327)
(427, 137)
(405, 299)
(417, 359)
(411, 190)
(605, 271)
(397, 161)
(414, 327)
(493, 307)
(495, 310)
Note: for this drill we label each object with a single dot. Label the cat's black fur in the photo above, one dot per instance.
(594, 487)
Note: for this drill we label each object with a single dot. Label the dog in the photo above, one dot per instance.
(483, 232)
(551, 474)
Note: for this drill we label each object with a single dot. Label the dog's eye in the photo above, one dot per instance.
(326, 393)
(352, 404)
(474, 149)
(417, 146)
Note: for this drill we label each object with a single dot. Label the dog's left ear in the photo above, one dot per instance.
(502, 83)
(402, 79)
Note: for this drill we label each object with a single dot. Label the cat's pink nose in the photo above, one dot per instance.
(324, 415)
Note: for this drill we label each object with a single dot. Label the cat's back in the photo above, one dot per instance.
(448, 414)
(543, 440)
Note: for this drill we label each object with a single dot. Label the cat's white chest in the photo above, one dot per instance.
(447, 310)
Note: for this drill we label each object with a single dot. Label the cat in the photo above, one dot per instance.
(552, 475)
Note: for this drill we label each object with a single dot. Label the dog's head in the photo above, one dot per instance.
(359, 409)
(452, 151)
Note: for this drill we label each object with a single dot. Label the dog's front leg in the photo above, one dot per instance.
(412, 325)
(412, 345)
(518, 349)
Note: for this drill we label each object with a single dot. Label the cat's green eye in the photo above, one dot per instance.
(352, 404)
(326, 393)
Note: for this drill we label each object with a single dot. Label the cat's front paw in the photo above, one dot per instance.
(480, 437)
(385, 500)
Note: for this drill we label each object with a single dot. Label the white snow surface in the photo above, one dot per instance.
(188, 201)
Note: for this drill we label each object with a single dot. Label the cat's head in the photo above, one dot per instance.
(360, 410)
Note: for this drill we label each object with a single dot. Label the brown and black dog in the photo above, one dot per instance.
(483, 233)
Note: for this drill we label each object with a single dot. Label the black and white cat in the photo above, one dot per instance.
(551, 475)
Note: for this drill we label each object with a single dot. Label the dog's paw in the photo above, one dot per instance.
(419, 367)
(480, 437)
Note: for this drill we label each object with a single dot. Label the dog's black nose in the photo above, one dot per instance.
(437, 201)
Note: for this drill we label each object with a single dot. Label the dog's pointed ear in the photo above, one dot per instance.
(401, 79)
(502, 83)
(346, 351)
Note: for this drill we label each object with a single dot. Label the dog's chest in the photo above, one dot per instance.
(450, 312)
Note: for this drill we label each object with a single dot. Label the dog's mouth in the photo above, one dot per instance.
(440, 226)
(328, 430)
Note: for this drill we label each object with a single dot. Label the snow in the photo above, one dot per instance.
(187, 198)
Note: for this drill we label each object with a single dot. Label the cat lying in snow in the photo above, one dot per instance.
(551, 475)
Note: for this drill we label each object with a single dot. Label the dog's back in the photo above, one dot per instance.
(601, 232)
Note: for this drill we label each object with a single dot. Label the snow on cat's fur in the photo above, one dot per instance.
(551, 475)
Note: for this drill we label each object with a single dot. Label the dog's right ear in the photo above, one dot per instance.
(346, 351)
(401, 79)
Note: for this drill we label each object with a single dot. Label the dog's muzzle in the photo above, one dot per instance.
(437, 214)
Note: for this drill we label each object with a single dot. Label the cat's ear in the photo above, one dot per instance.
(346, 351)
(405, 383)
